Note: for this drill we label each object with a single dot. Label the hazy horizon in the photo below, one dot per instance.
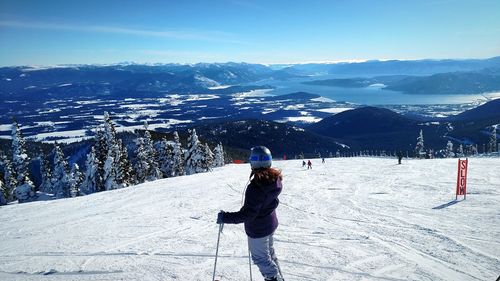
(245, 62)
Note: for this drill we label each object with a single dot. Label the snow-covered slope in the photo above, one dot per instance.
(347, 219)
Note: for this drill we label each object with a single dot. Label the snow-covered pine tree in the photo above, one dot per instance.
(178, 157)
(109, 132)
(3, 193)
(110, 176)
(60, 177)
(117, 170)
(9, 179)
(194, 155)
(101, 154)
(141, 165)
(91, 178)
(208, 158)
(449, 150)
(492, 144)
(460, 151)
(419, 148)
(219, 156)
(166, 158)
(25, 188)
(154, 172)
(46, 174)
(75, 180)
(127, 172)
(114, 167)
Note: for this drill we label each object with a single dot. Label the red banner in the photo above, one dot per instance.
(462, 178)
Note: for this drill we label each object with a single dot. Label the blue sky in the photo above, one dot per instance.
(42, 32)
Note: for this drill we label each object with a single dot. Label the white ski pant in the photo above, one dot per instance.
(263, 255)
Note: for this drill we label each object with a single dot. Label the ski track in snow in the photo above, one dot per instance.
(346, 219)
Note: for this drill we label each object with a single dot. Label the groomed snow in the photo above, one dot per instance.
(347, 219)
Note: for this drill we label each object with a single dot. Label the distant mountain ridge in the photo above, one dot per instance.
(489, 110)
(394, 67)
(447, 76)
(372, 128)
(452, 83)
(131, 78)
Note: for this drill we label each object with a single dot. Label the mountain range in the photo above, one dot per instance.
(452, 83)
(134, 80)
(220, 100)
(364, 128)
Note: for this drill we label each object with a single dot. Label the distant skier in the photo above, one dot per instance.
(323, 160)
(400, 156)
(303, 163)
(309, 165)
(259, 212)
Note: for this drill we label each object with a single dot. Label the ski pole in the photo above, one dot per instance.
(249, 261)
(217, 250)
(279, 270)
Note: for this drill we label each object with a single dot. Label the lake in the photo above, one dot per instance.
(369, 95)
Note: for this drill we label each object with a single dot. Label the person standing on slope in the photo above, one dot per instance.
(259, 212)
(309, 164)
(400, 156)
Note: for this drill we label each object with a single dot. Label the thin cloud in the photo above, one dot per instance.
(193, 35)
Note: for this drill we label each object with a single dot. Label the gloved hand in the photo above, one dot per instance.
(220, 217)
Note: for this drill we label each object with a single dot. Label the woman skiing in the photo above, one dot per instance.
(259, 212)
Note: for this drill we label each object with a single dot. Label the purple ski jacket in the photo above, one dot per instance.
(259, 211)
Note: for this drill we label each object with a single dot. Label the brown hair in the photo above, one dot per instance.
(266, 176)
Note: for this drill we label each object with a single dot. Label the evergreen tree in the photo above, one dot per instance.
(194, 155)
(154, 172)
(91, 179)
(3, 193)
(492, 145)
(75, 180)
(114, 168)
(25, 188)
(460, 151)
(419, 148)
(166, 158)
(208, 158)
(219, 156)
(60, 177)
(449, 150)
(46, 174)
(9, 179)
(178, 157)
(110, 138)
(127, 172)
(101, 153)
(141, 165)
(112, 176)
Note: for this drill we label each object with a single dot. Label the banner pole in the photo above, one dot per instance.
(458, 180)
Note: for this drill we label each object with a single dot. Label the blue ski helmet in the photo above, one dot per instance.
(260, 157)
